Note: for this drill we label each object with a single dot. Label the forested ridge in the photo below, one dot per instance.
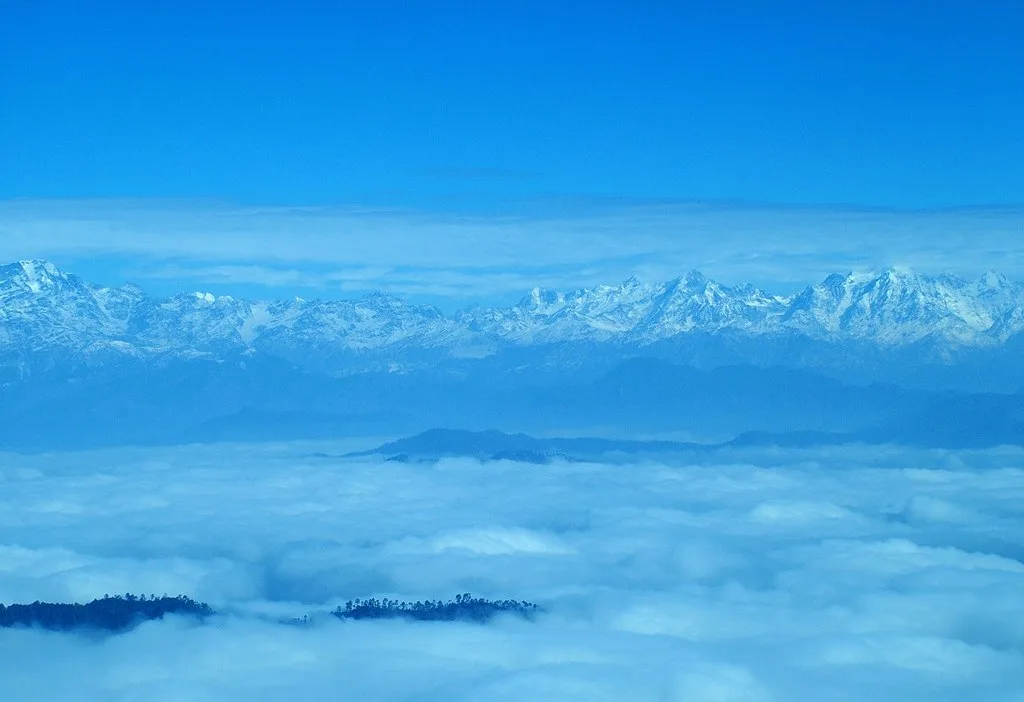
(122, 612)
(117, 613)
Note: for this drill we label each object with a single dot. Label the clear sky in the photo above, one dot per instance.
(486, 108)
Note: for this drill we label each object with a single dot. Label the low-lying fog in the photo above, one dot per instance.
(846, 574)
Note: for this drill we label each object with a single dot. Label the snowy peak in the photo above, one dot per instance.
(45, 309)
(632, 312)
(691, 280)
(32, 269)
(695, 303)
(993, 280)
(899, 306)
(33, 276)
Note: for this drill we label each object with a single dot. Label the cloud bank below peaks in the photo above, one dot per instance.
(851, 574)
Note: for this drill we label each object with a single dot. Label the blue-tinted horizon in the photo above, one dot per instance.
(475, 107)
(790, 485)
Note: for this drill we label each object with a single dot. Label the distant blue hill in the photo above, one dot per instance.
(497, 445)
(258, 399)
(957, 429)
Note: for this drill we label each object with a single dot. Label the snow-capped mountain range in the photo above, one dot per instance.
(44, 310)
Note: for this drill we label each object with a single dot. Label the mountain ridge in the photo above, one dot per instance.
(46, 312)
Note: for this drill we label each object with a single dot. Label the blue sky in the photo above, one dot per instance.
(516, 110)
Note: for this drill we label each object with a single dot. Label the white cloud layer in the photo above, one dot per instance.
(849, 574)
(349, 250)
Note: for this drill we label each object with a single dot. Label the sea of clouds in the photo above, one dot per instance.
(846, 574)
